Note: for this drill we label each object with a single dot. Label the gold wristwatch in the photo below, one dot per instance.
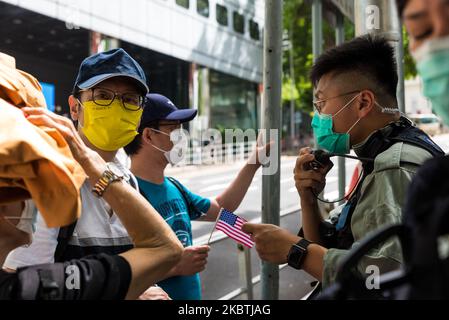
(112, 174)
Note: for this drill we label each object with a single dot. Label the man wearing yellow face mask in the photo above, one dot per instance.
(107, 100)
(110, 118)
(106, 104)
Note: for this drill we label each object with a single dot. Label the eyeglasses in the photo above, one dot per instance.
(172, 127)
(319, 103)
(105, 97)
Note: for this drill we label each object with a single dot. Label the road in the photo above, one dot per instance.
(210, 182)
(221, 275)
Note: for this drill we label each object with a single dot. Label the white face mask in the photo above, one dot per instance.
(178, 152)
(27, 220)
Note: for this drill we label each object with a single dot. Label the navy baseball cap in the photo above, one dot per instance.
(157, 108)
(110, 64)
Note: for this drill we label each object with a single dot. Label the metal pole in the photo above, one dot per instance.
(245, 270)
(292, 92)
(339, 39)
(401, 77)
(248, 274)
(317, 28)
(381, 17)
(271, 117)
(317, 48)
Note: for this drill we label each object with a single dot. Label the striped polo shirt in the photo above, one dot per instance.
(98, 230)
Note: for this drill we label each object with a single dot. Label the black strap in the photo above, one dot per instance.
(418, 138)
(190, 206)
(64, 235)
(44, 282)
(401, 131)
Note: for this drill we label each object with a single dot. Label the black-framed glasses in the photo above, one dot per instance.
(319, 104)
(104, 97)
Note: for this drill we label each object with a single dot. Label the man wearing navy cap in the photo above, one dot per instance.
(107, 104)
(151, 151)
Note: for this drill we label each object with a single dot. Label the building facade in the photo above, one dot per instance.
(204, 54)
(415, 102)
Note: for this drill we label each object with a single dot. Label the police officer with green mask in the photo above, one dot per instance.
(356, 108)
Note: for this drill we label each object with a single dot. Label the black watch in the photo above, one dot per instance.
(297, 254)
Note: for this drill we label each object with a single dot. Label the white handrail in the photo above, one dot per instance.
(218, 153)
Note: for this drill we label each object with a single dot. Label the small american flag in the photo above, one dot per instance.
(231, 225)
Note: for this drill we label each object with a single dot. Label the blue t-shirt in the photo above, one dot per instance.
(169, 202)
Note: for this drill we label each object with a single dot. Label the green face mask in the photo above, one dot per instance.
(433, 67)
(323, 129)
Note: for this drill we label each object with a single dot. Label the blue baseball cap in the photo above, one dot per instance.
(110, 64)
(157, 108)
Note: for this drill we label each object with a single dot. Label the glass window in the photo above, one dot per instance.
(239, 23)
(222, 15)
(233, 102)
(254, 30)
(202, 7)
(183, 3)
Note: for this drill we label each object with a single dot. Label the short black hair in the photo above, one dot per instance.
(401, 6)
(134, 147)
(77, 93)
(370, 56)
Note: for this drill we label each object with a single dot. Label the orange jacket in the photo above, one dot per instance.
(35, 162)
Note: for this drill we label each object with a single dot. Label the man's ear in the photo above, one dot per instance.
(367, 101)
(147, 135)
(74, 108)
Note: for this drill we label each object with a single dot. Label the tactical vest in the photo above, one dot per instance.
(339, 234)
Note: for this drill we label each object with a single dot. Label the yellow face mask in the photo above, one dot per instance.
(110, 128)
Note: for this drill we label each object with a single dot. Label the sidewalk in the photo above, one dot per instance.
(293, 285)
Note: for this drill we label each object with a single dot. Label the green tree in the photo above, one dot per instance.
(297, 21)
(298, 24)
(298, 17)
(409, 64)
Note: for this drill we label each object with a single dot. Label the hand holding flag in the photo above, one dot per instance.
(272, 242)
(231, 225)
